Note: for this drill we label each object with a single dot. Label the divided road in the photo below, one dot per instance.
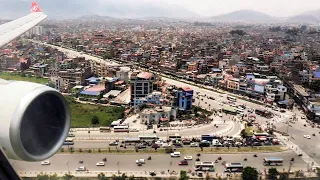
(63, 162)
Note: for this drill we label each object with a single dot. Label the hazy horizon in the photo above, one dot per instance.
(277, 8)
(155, 8)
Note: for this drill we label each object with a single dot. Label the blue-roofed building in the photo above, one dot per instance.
(216, 70)
(184, 98)
(316, 74)
(94, 92)
(92, 81)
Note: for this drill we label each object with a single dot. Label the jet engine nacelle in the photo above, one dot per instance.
(34, 120)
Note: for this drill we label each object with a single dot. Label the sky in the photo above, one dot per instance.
(278, 8)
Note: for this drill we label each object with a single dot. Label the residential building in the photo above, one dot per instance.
(141, 84)
(183, 98)
(153, 98)
(157, 115)
(123, 74)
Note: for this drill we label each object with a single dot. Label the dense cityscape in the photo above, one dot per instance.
(162, 98)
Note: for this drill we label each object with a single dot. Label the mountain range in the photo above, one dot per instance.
(66, 9)
(108, 9)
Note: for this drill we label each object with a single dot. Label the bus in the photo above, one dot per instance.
(68, 141)
(233, 167)
(204, 166)
(261, 134)
(273, 161)
(105, 129)
(132, 140)
(208, 137)
(146, 137)
(121, 129)
(230, 98)
(175, 137)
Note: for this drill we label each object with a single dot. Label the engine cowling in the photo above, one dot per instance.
(34, 120)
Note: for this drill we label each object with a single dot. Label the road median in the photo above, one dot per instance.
(208, 150)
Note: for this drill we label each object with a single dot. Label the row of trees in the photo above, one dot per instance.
(249, 173)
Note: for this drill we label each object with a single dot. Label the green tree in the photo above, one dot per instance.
(183, 175)
(131, 177)
(42, 177)
(95, 120)
(272, 174)
(53, 177)
(284, 176)
(249, 173)
(102, 176)
(315, 85)
(122, 177)
(67, 177)
(270, 131)
(243, 133)
(208, 176)
(318, 172)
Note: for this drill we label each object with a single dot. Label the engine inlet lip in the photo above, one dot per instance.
(15, 125)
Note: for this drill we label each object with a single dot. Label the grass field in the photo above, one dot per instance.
(81, 114)
(19, 77)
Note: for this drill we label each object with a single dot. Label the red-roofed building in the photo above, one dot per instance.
(145, 75)
(141, 85)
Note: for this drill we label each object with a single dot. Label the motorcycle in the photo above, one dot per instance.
(245, 159)
(292, 159)
(104, 159)
(216, 161)
(255, 155)
(81, 161)
(198, 154)
(219, 158)
(149, 158)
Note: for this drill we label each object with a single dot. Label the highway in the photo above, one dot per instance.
(297, 130)
(63, 162)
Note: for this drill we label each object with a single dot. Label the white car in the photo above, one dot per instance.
(193, 145)
(188, 158)
(45, 163)
(134, 130)
(142, 161)
(220, 114)
(100, 164)
(308, 137)
(81, 168)
(165, 145)
(303, 117)
(175, 154)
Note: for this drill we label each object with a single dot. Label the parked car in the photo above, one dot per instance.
(194, 145)
(175, 154)
(183, 162)
(71, 135)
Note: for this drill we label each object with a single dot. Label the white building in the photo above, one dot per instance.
(153, 98)
(158, 114)
(123, 74)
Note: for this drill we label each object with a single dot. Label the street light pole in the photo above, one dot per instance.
(68, 167)
(118, 167)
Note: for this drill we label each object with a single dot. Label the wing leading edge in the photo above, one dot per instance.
(13, 29)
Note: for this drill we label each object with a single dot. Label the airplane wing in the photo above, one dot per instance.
(13, 29)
